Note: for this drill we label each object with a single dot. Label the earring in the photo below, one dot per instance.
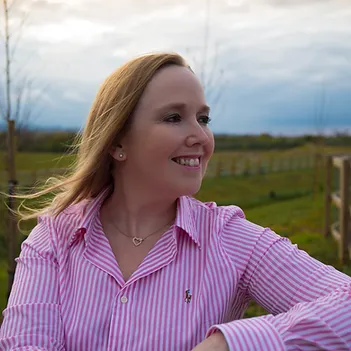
(120, 155)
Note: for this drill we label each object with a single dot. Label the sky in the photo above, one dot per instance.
(267, 66)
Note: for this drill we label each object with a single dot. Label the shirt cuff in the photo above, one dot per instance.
(250, 334)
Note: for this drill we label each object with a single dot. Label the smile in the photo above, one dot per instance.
(188, 162)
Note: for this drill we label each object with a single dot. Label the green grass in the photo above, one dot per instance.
(29, 161)
(256, 190)
(302, 221)
(31, 166)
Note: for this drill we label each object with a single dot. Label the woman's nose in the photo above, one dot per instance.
(197, 135)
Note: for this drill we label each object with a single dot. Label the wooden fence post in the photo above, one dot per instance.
(344, 210)
(315, 174)
(233, 167)
(247, 166)
(270, 165)
(218, 167)
(328, 190)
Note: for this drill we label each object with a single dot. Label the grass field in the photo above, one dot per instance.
(283, 201)
(31, 166)
(301, 220)
(35, 161)
(29, 163)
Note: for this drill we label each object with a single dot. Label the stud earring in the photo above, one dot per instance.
(120, 155)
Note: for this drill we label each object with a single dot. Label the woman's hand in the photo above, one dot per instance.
(215, 342)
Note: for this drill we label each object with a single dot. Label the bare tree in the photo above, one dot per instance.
(320, 116)
(211, 75)
(15, 112)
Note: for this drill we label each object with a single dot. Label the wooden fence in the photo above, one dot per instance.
(219, 166)
(341, 230)
(254, 164)
(30, 178)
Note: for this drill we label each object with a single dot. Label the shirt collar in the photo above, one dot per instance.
(184, 219)
(88, 211)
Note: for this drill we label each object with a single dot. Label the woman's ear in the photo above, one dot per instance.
(118, 153)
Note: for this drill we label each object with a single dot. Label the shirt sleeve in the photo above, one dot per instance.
(309, 302)
(32, 318)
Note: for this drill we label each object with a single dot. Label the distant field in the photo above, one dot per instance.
(251, 191)
(34, 161)
(308, 148)
(33, 166)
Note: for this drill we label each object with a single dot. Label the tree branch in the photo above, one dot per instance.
(7, 61)
(11, 5)
(20, 32)
(2, 104)
(212, 73)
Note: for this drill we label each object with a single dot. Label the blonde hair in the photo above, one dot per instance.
(108, 120)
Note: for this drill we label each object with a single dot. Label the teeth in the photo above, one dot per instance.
(191, 162)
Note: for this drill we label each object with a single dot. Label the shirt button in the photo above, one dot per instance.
(124, 299)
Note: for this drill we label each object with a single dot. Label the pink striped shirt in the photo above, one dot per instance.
(69, 293)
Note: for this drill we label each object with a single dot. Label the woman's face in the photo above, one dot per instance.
(169, 143)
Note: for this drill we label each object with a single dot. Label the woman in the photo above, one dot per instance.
(124, 258)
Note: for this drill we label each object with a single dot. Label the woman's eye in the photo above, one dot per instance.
(173, 118)
(205, 119)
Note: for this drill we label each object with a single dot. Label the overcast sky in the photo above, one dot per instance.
(275, 66)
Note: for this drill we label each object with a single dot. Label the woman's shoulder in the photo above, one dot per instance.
(225, 212)
(230, 219)
(72, 211)
(63, 225)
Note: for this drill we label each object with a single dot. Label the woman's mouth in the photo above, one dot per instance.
(187, 161)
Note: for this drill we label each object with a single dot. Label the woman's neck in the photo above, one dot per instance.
(138, 214)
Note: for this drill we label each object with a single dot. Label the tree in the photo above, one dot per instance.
(14, 93)
(211, 76)
(320, 116)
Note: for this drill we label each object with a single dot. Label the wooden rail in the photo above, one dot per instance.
(218, 167)
(254, 165)
(341, 230)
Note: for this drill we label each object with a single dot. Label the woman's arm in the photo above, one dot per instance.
(309, 302)
(32, 318)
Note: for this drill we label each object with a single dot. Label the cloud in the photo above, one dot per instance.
(72, 30)
(259, 54)
(73, 95)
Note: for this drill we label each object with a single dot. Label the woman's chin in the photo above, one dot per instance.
(190, 190)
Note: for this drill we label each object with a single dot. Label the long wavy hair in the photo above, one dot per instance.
(108, 121)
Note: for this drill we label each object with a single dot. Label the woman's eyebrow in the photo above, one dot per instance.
(182, 106)
(205, 108)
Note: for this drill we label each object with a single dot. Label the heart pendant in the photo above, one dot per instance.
(137, 241)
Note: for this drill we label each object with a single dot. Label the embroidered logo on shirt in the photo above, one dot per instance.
(188, 296)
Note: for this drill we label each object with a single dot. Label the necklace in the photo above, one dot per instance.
(137, 240)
